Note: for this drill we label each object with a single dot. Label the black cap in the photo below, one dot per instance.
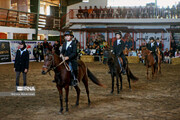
(22, 42)
(68, 32)
(119, 32)
(151, 38)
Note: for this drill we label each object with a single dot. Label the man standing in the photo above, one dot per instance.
(69, 51)
(118, 47)
(21, 63)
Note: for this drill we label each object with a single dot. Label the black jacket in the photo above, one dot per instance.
(118, 48)
(151, 48)
(160, 46)
(21, 61)
(71, 52)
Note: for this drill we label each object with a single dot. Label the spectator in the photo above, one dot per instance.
(42, 54)
(50, 47)
(90, 12)
(45, 46)
(177, 54)
(128, 44)
(126, 52)
(56, 47)
(85, 12)
(98, 50)
(87, 51)
(173, 45)
(167, 56)
(140, 56)
(80, 12)
(40, 51)
(178, 45)
(35, 53)
(171, 53)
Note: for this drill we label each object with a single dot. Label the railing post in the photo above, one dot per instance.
(7, 18)
(37, 19)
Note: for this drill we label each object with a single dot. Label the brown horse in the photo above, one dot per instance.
(149, 61)
(115, 71)
(63, 77)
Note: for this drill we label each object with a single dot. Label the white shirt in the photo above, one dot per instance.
(152, 44)
(22, 51)
(118, 41)
(68, 43)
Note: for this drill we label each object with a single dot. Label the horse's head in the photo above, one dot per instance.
(144, 52)
(48, 63)
(107, 54)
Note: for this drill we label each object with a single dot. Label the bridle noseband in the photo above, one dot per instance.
(52, 65)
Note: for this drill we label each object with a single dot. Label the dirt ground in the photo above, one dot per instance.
(153, 99)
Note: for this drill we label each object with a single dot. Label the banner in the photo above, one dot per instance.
(29, 46)
(5, 52)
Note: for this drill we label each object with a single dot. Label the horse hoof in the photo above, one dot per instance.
(118, 92)
(77, 104)
(112, 92)
(60, 113)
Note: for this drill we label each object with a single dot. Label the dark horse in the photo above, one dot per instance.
(149, 61)
(63, 77)
(115, 71)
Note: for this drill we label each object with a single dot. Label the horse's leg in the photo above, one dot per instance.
(85, 81)
(120, 76)
(147, 73)
(60, 98)
(66, 99)
(153, 69)
(78, 94)
(129, 80)
(112, 76)
(117, 82)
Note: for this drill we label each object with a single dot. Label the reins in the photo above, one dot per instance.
(63, 62)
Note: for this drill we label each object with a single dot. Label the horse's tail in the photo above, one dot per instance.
(94, 79)
(134, 78)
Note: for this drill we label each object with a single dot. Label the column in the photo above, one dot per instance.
(10, 35)
(29, 36)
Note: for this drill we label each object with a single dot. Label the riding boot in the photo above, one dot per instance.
(124, 69)
(74, 81)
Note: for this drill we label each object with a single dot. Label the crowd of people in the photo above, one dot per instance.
(98, 48)
(149, 11)
(41, 49)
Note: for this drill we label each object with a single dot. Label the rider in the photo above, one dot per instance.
(118, 47)
(152, 47)
(69, 51)
(159, 44)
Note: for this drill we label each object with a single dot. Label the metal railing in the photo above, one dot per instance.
(123, 13)
(14, 18)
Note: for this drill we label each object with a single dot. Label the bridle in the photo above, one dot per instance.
(53, 64)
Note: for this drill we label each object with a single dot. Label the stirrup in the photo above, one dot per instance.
(74, 82)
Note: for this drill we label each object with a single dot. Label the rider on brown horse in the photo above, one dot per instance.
(69, 51)
(118, 47)
(152, 47)
(159, 44)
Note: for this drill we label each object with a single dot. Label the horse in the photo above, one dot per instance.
(63, 77)
(149, 61)
(159, 59)
(115, 71)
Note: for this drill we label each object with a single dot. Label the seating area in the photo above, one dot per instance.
(148, 11)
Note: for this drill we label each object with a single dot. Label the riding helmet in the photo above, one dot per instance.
(68, 32)
(151, 38)
(119, 32)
